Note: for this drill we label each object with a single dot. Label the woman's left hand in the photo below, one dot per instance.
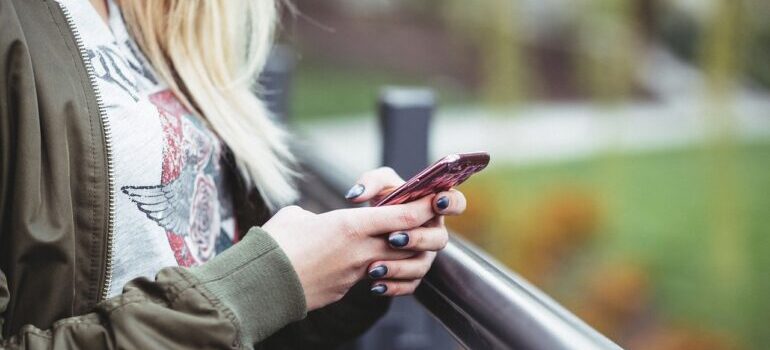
(401, 277)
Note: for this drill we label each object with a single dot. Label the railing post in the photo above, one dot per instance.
(405, 115)
(483, 304)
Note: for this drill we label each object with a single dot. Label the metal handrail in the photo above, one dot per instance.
(480, 302)
(497, 308)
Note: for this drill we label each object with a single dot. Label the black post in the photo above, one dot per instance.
(405, 115)
(274, 85)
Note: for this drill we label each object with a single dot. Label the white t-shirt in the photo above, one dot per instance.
(173, 206)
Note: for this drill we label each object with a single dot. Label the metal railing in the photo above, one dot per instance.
(479, 302)
(482, 304)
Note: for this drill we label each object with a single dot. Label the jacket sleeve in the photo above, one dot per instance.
(240, 297)
(333, 325)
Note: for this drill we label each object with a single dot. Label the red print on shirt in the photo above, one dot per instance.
(186, 202)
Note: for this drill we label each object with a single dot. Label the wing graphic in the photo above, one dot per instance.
(168, 205)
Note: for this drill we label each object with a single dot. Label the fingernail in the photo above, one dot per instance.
(442, 203)
(379, 289)
(378, 271)
(399, 239)
(355, 191)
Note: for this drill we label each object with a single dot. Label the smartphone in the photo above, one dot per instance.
(444, 174)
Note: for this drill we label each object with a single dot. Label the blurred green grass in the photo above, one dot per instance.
(325, 90)
(659, 209)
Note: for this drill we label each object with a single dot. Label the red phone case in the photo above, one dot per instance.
(446, 173)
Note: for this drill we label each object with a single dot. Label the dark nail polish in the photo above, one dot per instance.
(400, 239)
(442, 203)
(378, 271)
(379, 289)
(355, 191)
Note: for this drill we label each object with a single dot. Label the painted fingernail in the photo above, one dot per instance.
(399, 239)
(379, 271)
(379, 289)
(442, 203)
(355, 191)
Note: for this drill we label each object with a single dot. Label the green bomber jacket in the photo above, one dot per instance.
(56, 228)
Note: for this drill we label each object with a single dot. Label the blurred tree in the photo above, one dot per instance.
(724, 42)
(492, 26)
(683, 30)
(758, 45)
(608, 40)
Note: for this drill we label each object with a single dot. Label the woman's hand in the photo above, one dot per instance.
(331, 252)
(402, 276)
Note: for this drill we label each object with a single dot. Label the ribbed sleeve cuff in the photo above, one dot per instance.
(255, 279)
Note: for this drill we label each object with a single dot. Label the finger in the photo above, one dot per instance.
(406, 269)
(373, 183)
(380, 250)
(437, 221)
(420, 239)
(394, 288)
(373, 221)
(451, 202)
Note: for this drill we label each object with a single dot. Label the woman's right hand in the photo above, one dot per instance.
(331, 251)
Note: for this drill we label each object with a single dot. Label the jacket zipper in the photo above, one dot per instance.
(108, 149)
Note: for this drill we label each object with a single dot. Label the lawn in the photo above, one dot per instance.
(324, 90)
(680, 237)
(647, 247)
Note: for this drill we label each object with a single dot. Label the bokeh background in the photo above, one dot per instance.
(630, 143)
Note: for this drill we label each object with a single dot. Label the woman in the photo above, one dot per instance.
(134, 156)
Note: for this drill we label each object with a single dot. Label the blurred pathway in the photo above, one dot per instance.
(551, 132)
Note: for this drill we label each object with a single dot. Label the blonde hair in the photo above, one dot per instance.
(210, 53)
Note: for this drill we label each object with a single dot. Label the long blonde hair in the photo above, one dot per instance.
(210, 53)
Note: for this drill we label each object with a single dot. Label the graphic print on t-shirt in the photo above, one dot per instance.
(186, 203)
(110, 66)
(173, 204)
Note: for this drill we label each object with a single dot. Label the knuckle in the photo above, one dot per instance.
(371, 223)
(360, 260)
(414, 285)
(395, 270)
(349, 228)
(396, 289)
(291, 212)
(350, 233)
(408, 218)
(418, 239)
(424, 268)
(444, 239)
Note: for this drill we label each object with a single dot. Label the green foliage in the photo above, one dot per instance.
(657, 209)
(745, 21)
(323, 90)
(608, 49)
